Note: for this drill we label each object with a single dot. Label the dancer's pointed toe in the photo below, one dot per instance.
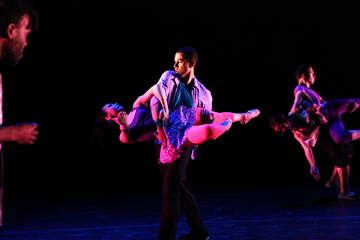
(250, 115)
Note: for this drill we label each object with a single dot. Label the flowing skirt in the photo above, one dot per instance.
(180, 121)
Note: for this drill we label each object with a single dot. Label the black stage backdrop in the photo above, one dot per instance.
(88, 53)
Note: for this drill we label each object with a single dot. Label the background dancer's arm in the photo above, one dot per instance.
(299, 97)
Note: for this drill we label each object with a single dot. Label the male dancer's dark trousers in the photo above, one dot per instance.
(176, 193)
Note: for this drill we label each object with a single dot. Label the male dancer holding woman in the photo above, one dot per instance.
(184, 93)
(182, 118)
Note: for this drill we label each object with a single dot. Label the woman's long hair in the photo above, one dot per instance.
(106, 132)
(277, 121)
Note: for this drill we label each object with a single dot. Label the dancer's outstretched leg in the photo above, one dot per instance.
(338, 133)
(244, 118)
(219, 117)
(334, 110)
(339, 106)
(201, 133)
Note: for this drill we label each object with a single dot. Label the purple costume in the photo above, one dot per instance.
(332, 111)
(313, 97)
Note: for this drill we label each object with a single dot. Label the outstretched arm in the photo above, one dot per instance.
(22, 133)
(159, 93)
(299, 97)
(309, 156)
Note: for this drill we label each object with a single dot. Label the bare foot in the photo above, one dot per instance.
(206, 117)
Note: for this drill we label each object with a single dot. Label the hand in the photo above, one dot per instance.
(25, 133)
(164, 116)
(352, 106)
(315, 172)
(323, 120)
(160, 134)
(206, 117)
(315, 108)
(122, 118)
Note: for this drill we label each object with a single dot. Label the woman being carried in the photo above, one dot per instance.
(184, 131)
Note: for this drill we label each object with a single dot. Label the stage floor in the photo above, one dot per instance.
(284, 211)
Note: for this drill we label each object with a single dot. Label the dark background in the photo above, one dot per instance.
(88, 53)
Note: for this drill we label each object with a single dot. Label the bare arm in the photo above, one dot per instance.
(299, 97)
(159, 93)
(22, 133)
(303, 100)
(309, 156)
(125, 136)
(309, 105)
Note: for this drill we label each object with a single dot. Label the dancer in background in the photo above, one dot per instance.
(307, 114)
(309, 136)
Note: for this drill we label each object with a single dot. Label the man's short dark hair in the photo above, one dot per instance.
(189, 54)
(303, 68)
(11, 12)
